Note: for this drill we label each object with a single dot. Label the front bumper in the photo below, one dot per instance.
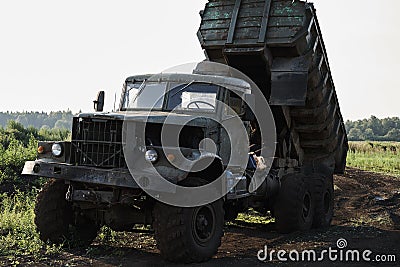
(114, 177)
(120, 177)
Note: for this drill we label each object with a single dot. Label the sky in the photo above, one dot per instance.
(56, 55)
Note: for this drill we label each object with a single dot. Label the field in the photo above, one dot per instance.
(382, 157)
(367, 215)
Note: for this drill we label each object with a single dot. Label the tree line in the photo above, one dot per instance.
(39, 120)
(374, 129)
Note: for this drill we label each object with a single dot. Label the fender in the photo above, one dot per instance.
(211, 167)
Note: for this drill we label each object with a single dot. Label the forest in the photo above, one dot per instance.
(54, 119)
(374, 129)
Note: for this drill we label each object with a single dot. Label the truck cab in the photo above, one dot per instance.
(190, 105)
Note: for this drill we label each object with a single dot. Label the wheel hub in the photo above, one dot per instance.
(204, 220)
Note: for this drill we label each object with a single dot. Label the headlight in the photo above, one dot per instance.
(151, 155)
(56, 149)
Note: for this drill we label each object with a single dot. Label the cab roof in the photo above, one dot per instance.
(227, 82)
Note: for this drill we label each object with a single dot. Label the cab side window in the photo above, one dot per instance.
(235, 103)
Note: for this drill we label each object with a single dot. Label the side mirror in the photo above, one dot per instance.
(250, 105)
(99, 102)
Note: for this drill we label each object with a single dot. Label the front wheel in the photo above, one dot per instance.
(189, 235)
(56, 220)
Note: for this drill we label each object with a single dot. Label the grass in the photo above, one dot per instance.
(371, 220)
(251, 218)
(18, 235)
(20, 239)
(382, 157)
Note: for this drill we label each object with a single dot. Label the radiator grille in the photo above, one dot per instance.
(98, 143)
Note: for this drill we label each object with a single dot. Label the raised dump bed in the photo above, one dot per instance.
(279, 45)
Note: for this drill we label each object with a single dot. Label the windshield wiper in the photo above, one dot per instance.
(183, 88)
(141, 87)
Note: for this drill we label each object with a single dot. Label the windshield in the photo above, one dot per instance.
(193, 96)
(189, 96)
(144, 96)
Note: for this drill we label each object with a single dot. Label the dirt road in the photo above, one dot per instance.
(367, 216)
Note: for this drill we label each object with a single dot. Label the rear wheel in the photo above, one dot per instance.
(189, 234)
(56, 220)
(294, 206)
(324, 200)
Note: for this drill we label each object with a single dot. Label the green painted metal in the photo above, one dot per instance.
(279, 45)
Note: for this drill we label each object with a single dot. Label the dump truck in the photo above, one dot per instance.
(278, 46)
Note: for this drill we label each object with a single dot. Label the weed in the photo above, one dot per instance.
(18, 235)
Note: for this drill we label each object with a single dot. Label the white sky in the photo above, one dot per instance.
(56, 55)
